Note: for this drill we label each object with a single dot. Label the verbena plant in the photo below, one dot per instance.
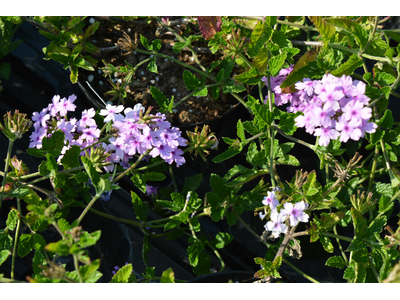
(310, 83)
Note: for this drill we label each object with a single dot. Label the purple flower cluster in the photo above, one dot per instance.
(295, 213)
(136, 134)
(332, 107)
(154, 137)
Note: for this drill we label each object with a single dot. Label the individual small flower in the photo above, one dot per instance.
(151, 190)
(296, 213)
(307, 85)
(276, 225)
(348, 130)
(326, 135)
(271, 200)
(110, 112)
(66, 105)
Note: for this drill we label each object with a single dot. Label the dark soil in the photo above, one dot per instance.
(169, 79)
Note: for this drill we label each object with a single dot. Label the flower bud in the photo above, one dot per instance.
(361, 202)
(15, 125)
(201, 142)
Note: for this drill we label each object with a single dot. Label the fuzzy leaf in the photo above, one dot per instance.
(336, 262)
(122, 275)
(168, 276)
(349, 66)
(259, 36)
(327, 30)
(209, 26)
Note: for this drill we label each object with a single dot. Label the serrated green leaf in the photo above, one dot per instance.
(141, 209)
(89, 239)
(326, 243)
(144, 41)
(311, 70)
(222, 239)
(152, 66)
(153, 176)
(168, 276)
(194, 251)
(348, 67)
(376, 225)
(192, 183)
(191, 81)
(61, 247)
(25, 244)
(218, 186)
(251, 76)
(122, 275)
(351, 27)
(91, 171)
(4, 254)
(71, 157)
(336, 262)
(276, 63)
(12, 219)
(230, 152)
(360, 273)
(259, 36)
(327, 30)
(240, 131)
(360, 256)
(357, 244)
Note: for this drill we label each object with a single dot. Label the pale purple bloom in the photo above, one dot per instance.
(306, 85)
(65, 105)
(262, 216)
(348, 130)
(41, 118)
(87, 118)
(110, 112)
(151, 190)
(276, 225)
(355, 111)
(296, 213)
(331, 96)
(325, 135)
(270, 200)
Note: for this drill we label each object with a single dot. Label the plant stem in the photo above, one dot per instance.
(88, 207)
(3, 185)
(299, 271)
(118, 219)
(128, 170)
(16, 238)
(76, 264)
(219, 257)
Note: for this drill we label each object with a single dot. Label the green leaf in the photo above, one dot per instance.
(349, 274)
(192, 183)
(376, 225)
(5, 70)
(191, 81)
(71, 157)
(259, 36)
(276, 63)
(25, 244)
(91, 171)
(89, 272)
(36, 152)
(310, 70)
(360, 273)
(194, 251)
(327, 30)
(360, 256)
(152, 66)
(89, 239)
(385, 204)
(4, 254)
(12, 219)
(202, 92)
(139, 181)
(357, 244)
(240, 131)
(61, 247)
(51, 165)
(222, 239)
(348, 67)
(218, 186)
(351, 27)
(326, 243)
(141, 209)
(336, 262)
(230, 152)
(359, 222)
(153, 176)
(144, 41)
(168, 276)
(262, 112)
(251, 76)
(122, 275)
(386, 121)
(56, 142)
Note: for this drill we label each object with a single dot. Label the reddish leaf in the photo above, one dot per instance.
(209, 26)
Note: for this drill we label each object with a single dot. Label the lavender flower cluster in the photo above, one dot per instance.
(152, 135)
(332, 107)
(277, 224)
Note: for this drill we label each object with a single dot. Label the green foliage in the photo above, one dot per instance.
(123, 274)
